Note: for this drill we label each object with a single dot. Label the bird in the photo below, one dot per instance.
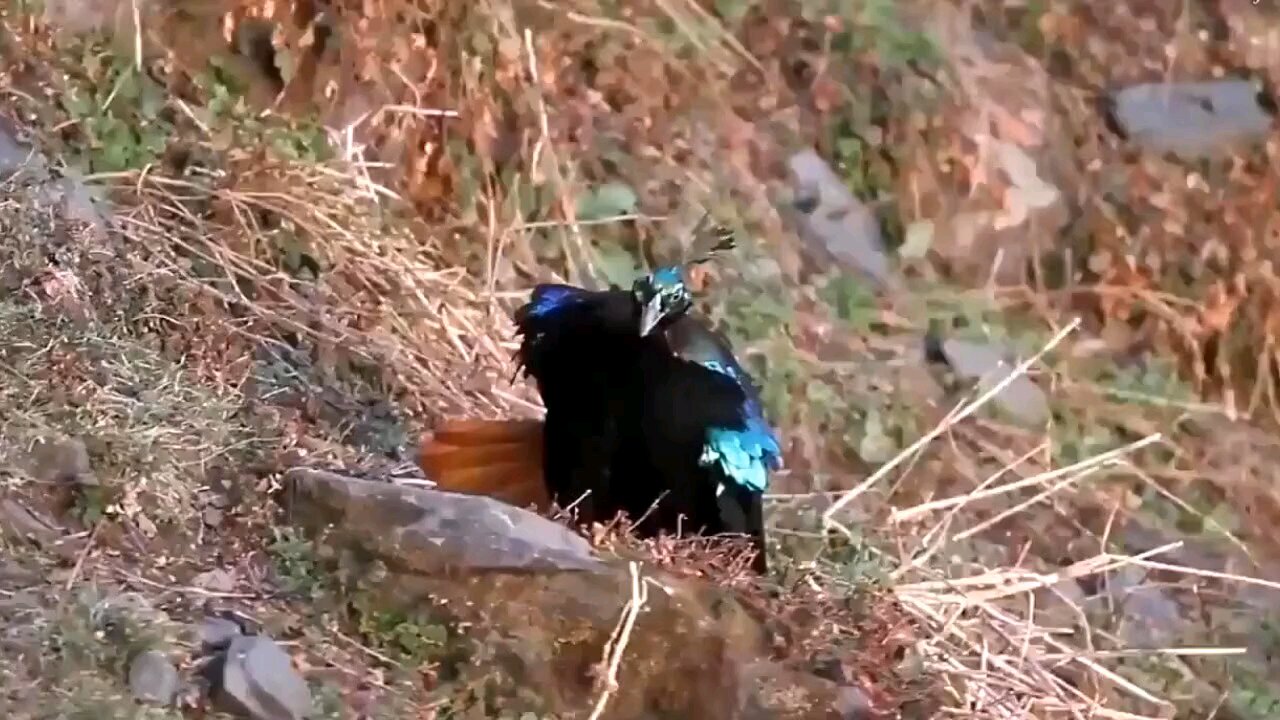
(648, 413)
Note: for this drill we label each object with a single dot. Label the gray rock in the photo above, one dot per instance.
(217, 580)
(258, 681)
(1193, 119)
(80, 203)
(16, 157)
(853, 704)
(62, 460)
(217, 632)
(1151, 618)
(534, 592)
(212, 517)
(153, 679)
(835, 221)
(988, 364)
(429, 531)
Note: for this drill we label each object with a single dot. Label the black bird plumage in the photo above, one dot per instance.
(647, 409)
(573, 344)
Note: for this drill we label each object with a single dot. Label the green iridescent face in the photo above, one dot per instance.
(661, 295)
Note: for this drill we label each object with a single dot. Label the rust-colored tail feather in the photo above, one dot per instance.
(498, 458)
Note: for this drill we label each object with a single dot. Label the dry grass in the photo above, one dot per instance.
(434, 337)
(150, 425)
(994, 659)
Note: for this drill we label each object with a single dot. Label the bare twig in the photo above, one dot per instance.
(80, 558)
(617, 645)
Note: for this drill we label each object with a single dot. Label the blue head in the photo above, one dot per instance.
(662, 296)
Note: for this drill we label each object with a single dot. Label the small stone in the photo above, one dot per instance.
(217, 632)
(212, 517)
(428, 531)
(258, 680)
(1191, 119)
(217, 580)
(988, 364)
(62, 460)
(852, 704)
(833, 219)
(153, 679)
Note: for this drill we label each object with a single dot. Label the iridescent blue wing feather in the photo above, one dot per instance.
(558, 316)
(548, 298)
(746, 450)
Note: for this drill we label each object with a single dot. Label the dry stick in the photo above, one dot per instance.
(1010, 583)
(947, 627)
(369, 651)
(931, 546)
(1004, 665)
(616, 647)
(1089, 663)
(186, 589)
(1032, 667)
(1009, 512)
(1097, 711)
(547, 140)
(971, 408)
(1187, 570)
(1169, 652)
(1088, 658)
(137, 36)
(84, 554)
(1098, 460)
(726, 36)
(625, 217)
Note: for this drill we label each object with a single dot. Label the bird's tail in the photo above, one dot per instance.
(498, 458)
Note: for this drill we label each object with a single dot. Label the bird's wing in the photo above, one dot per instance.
(547, 299)
(745, 450)
(695, 342)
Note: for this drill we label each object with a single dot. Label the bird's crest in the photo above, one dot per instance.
(716, 238)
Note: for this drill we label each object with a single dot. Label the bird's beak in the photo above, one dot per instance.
(650, 316)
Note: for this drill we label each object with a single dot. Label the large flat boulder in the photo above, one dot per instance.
(547, 607)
